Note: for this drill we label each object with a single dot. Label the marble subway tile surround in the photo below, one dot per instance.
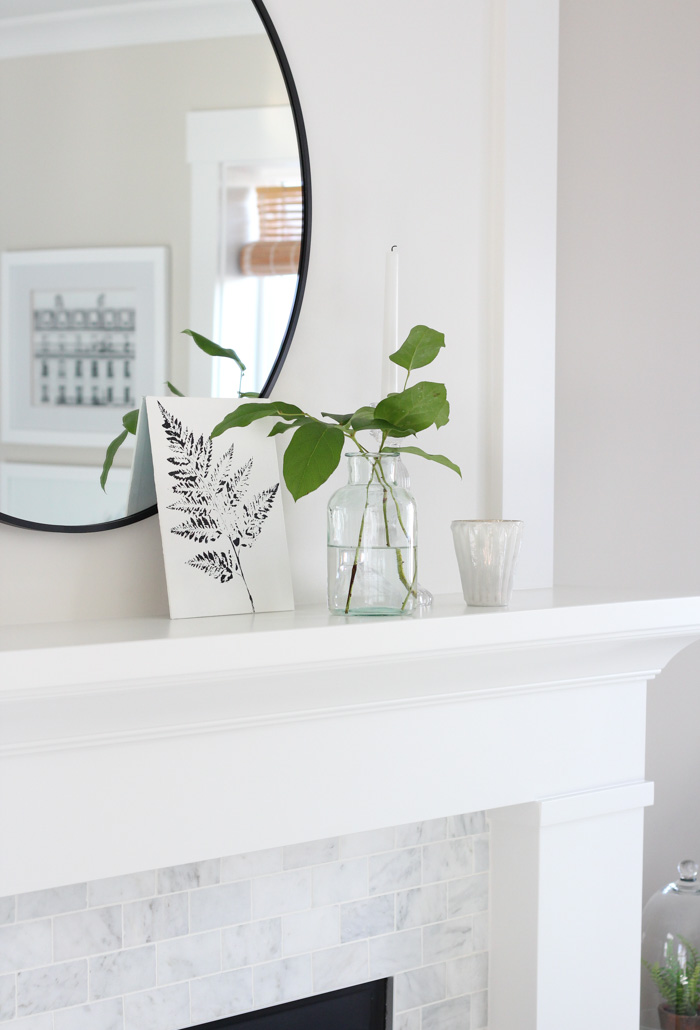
(178, 947)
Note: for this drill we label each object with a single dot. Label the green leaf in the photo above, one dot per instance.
(439, 458)
(283, 427)
(174, 389)
(443, 415)
(417, 408)
(130, 421)
(251, 394)
(244, 414)
(342, 420)
(109, 456)
(213, 349)
(421, 346)
(364, 418)
(312, 455)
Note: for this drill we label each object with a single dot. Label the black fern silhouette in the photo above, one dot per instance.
(212, 499)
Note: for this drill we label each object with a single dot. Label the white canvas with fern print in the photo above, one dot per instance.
(220, 511)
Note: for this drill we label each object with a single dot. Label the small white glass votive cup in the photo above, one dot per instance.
(487, 552)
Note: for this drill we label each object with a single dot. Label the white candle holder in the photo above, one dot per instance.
(487, 551)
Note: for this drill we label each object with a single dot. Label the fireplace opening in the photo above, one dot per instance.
(362, 1007)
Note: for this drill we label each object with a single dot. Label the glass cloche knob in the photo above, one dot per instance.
(688, 870)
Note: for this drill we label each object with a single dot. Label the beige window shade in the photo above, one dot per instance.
(281, 216)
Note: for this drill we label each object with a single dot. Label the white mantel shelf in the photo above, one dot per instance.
(92, 683)
(130, 745)
(64, 655)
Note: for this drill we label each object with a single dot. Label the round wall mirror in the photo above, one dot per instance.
(154, 179)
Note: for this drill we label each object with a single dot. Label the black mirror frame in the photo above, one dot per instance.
(129, 520)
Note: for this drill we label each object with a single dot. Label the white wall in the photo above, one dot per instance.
(628, 359)
(402, 104)
(395, 98)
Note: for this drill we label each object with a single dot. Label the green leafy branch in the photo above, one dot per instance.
(130, 420)
(316, 445)
(678, 981)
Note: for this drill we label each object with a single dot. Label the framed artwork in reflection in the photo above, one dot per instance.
(82, 339)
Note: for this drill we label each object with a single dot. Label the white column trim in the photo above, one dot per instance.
(519, 479)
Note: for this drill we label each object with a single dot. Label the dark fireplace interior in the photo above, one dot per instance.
(364, 1007)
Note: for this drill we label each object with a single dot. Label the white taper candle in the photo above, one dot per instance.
(390, 371)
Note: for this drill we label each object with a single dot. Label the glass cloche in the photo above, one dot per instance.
(670, 932)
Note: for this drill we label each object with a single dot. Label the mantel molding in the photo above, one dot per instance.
(286, 722)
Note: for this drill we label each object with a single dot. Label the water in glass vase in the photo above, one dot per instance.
(372, 535)
(383, 581)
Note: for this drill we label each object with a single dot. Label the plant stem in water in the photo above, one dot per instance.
(359, 545)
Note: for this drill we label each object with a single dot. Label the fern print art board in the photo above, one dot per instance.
(220, 511)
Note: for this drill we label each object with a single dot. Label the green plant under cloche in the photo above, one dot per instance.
(678, 980)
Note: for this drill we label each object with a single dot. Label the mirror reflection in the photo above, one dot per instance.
(150, 181)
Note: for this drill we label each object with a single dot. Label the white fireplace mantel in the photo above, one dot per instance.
(129, 745)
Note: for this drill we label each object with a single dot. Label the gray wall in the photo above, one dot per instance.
(628, 360)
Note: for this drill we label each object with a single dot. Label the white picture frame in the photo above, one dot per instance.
(220, 510)
(82, 338)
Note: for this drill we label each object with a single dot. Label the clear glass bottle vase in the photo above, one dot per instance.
(372, 540)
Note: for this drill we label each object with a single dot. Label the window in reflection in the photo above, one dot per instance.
(263, 218)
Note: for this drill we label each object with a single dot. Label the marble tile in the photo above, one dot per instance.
(254, 863)
(480, 1010)
(166, 1008)
(223, 905)
(407, 1020)
(426, 832)
(481, 931)
(447, 1015)
(366, 918)
(7, 910)
(468, 895)
(186, 877)
(419, 987)
(443, 941)
(315, 852)
(155, 919)
(340, 881)
(447, 860)
(7, 997)
(310, 930)
(466, 825)
(52, 987)
(100, 1015)
(482, 856)
(225, 994)
(469, 974)
(394, 870)
(252, 943)
(187, 957)
(370, 842)
(87, 933)
(340, 967)
(51, 902)
(123, 972)
(421, 905)
(395, 953)
(41, 1022)
(282, 892)
(23, 945)
(116, 889)
(275, 982)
